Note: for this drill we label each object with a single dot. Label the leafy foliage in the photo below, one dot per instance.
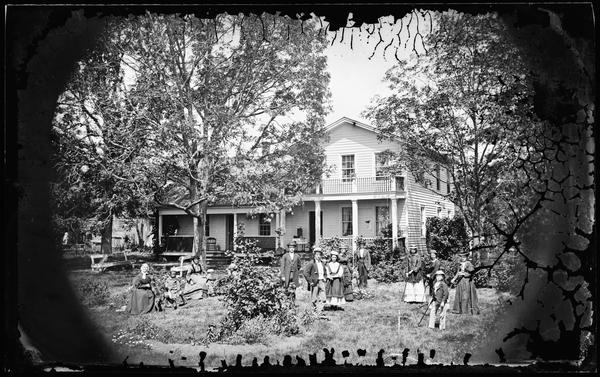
(257, 304)
(93, 292)
(448, 236)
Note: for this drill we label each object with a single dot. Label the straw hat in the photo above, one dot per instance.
(292, 243)
(335, 253)
(439, 272)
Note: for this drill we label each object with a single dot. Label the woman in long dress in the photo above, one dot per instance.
(196, 283)
(415, 282)
(465, 299)
(142, 297)
(334, 291)
(347, 281)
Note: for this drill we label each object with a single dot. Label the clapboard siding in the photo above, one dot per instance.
(417, 197)
(348, 139)
(216, 230)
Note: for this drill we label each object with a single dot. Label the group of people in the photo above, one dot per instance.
(147, 295)
(423, 281)
(330, 282)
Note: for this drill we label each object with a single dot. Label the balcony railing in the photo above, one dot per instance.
(359, 185)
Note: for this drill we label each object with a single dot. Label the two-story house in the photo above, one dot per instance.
(357, 199)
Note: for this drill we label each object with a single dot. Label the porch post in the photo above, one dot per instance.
(317, 220)
(235, 225)
(160, 227)
(282, 220)
(278, 236)
(354, 224)
(394, 222)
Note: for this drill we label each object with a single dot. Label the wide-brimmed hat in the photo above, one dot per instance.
(292, 243)
(335, 253)
(316, 248)
(440, 272)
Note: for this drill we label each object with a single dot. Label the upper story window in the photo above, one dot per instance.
(348, 172)
(447, 182)
(381, 161)
(264, 225)
(438, 181)
(423, 222)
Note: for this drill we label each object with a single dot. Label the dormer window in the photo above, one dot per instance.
(348, 173)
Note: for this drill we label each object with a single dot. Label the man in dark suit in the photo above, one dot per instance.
(289, 268)
(434, 265)
(363, 262)
(314, 273)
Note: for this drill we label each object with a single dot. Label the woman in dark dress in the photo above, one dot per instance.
(142, 296)
(347, 281)
(415, 278)
(465, 299)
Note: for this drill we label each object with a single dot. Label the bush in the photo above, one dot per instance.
(448, 236)
(252, 295)
(508, 274)
(93, 292)
(388, 271)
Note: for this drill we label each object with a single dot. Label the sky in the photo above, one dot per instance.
(356, 77)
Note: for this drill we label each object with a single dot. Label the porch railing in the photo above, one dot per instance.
(359, 185)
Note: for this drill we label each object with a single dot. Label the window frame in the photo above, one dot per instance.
(352, 176)
(378, 227)
(263, 223)
(423, 215)
(379, 177)
(347, 221)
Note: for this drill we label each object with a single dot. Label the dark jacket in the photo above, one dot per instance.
(311, 273)
(290, 269)
(442, 293)
(415, 263)
(434, 266)
(365, 260)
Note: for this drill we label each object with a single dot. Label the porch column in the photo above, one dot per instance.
(278, 236)
(235, 225)
(354, 224)
(160, 228)
(317, 220)
(394, 222)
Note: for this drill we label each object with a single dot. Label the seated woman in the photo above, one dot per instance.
(196, 281)
(142, 297)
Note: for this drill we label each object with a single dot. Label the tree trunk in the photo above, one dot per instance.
(140, 232)
(198, 248)
(106, 242)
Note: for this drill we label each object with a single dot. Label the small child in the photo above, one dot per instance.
(439, 300)
(174, 290)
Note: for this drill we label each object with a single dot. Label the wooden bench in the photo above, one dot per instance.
(101, 262)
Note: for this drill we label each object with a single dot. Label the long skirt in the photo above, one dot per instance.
(362, 275)
(465, 299)
(415, 292)
(197, 287)
(334, 291)
(140, 301)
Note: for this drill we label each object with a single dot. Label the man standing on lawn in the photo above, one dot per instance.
(314, 273)
(289, 269)
(434, 265)
(364, 265)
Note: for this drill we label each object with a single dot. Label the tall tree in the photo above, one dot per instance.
(235, 107)
(97, 141)
(465, 106)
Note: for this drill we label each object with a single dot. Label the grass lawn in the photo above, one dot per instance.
(370, 324)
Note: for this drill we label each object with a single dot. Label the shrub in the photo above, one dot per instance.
(387, 263)
(251, 292)
(93, 292)
(448, 236)
(388, 271)
(334, 243)
(508, 274)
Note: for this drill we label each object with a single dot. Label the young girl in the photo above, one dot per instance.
(439, 300)
(335, 286)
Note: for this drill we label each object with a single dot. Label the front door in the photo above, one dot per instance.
(312, 228)
(229, 232)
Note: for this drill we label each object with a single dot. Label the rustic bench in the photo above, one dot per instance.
(102, 262)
